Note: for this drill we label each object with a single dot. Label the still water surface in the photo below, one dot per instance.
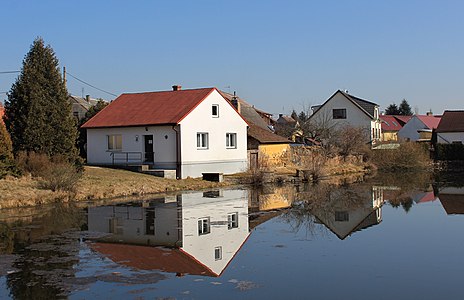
(388, 237)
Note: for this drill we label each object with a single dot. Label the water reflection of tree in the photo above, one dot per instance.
(44, 256)
(400, 187)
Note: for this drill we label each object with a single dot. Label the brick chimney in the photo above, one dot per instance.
(234, 101)
(429, 113)
(87, 98)
(176, 87)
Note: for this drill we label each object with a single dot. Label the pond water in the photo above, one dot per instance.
(396, 236)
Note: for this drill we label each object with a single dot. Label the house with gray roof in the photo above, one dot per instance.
(343, 109)
(81, 105)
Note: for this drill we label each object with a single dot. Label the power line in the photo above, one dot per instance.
(80, 80)
(9, 72)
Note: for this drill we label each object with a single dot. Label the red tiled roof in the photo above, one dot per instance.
(452, 121)
(153, 258)
(402, 119)
(430, 121)
(151, 108)
(390, 123)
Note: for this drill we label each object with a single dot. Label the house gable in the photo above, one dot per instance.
(355, 115)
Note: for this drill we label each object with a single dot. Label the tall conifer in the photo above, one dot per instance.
(38, 114)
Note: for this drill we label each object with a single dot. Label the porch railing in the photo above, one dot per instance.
(126, 157)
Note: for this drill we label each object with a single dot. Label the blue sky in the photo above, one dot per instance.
(278, 55)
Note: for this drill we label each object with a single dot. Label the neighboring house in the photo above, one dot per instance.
(260, 138)
(191, 131)
(390, 128)
(451, 127)
(196, 233)
(343, 109)
(81, 105)
(419, 128)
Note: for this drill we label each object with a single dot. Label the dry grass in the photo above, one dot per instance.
(96, 183)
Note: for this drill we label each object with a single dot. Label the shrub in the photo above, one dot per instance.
(263, 167)
(60, 176)
(407, 157)
(56, 173)
(312, 161)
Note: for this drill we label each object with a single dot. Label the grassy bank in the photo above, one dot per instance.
(96, 183)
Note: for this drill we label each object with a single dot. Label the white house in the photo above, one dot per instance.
(419, 127)
(343, 109)
(451, 127)
(202, 230)
(191, 131)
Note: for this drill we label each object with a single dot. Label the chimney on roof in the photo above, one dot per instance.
(87, 98)
(429, 113)
(176, 87)
(234, 101)
(280, 115)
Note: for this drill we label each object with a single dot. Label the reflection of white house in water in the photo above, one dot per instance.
(201, 232)
(452, 199)
(347, 215)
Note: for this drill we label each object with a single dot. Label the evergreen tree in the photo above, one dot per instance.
(303, 117)
(38, 114)
(404, 108)
(392, 109)
(294, 115)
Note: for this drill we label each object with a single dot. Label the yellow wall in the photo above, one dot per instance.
(425, 135)
(389, 136)
(276, 153)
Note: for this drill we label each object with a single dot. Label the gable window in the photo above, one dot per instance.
(204, 226)
(231, 140)
(218, 253)
(232, 220)
(215, 110)
(342, 216)
(114, 142)
(339, 113)
(202, 140)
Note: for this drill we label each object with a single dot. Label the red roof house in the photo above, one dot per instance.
(191, 131)
(419, 127)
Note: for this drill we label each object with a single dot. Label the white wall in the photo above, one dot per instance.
(165, 149)
(449, 137)
(201, 247)
(409, 130)
(217, 158)
(354, 116)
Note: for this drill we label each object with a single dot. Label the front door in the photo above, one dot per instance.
(148, 155)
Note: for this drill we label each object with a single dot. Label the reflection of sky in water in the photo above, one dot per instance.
(408, 255)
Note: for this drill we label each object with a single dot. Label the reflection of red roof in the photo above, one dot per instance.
(390, 123)
(430, 121)
(153, 258)
(151, 108)
(452, 121)
(427, 197)
(452, 203)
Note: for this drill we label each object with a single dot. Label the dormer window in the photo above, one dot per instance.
(215, 110)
